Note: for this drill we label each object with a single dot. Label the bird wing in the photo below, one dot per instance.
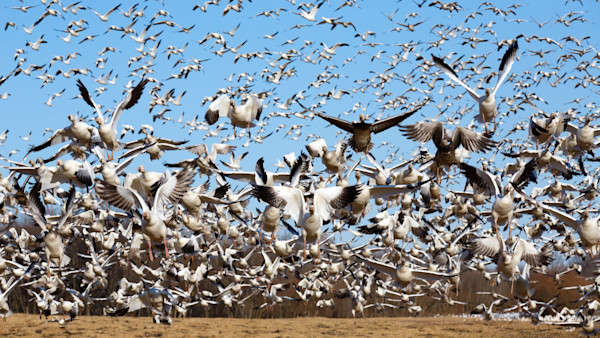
(382, 267)
(59, 136)
(526, 174)
(221, 148)
(506, 64)
(564, 217)
(85, 94)
(86, 174)
(291, 200)
(326, 200)
(386, 123)
(380, 191)
(220, 107)
(531, 255)
(255, 107)
(119, 196)
(488, 246)
(432, 275)
(342, 124)
(174, 187)
(535, 129)
(471, 140)
(130, 100)
(261, 177)
(481, 178)
(315, 148)
(452, 75)
(37, 208)
(561, 166)
(425, 131)
(70, 206)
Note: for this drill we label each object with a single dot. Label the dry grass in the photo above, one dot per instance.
(20, 325)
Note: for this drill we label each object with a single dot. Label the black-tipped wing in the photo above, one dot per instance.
(260, 172)
(38, 210)
(506, 64)
(85, 94)
(450, 72)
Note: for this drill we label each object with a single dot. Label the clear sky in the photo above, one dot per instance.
(383, 65)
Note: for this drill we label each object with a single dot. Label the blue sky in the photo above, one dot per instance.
(371, 70)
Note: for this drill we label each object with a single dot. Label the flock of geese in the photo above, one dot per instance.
(353, 220)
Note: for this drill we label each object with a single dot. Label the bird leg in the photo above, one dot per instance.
(496, 227)
(150, 251)
(319, 250)
(305, 253)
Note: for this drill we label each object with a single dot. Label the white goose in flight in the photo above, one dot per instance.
(108, 129)
(241, 116)
(171, 190)
(309, 217)
(487, 102)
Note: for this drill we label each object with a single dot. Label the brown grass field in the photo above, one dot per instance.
(20, 325)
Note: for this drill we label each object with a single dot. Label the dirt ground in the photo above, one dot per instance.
(19, 325)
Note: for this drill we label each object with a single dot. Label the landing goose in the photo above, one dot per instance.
(242, 116)
(487, 102)
(308, 217)
(361, 131)
(108, 129)
(447, 142)
(587, 227)
(171, 190)
(507, 261)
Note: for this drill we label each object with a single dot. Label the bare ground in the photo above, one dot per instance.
(20, 325)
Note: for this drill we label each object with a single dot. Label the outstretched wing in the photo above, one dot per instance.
(386, 123)
(85, 94)
(220, 107)
(130, 100)
(452, 75)
(342, 124)
(506, 64)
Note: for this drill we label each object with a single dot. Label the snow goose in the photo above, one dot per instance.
(487, 102)
(152, 145)
(53, 242)
(447, 142)
(4, 309)
(507, 261)
(193, 199)
(368, 192)
(106, 129)
(546, 159)
(172, 189)
(241, 116)
(543, 130)
(587, 227)
(404, 274)
(585, 135)
(361, 131)
(309, 218)
(259, 176)
(503, 206)
(333, 160)
(78, 130)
